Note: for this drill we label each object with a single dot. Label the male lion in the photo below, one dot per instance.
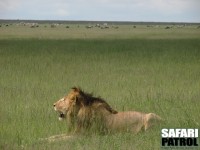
(83, 111)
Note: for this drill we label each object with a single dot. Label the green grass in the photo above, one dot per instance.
(148, 75)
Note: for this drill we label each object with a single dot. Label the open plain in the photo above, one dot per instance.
(143, 68)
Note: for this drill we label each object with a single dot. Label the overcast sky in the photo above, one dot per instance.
(102, 10)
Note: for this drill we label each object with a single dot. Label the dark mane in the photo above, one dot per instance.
(88, 99)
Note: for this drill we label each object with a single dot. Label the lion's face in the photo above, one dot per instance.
(65, 104)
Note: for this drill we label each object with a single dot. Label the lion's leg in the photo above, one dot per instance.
(137, 126)
(150, 120)
(77, 130)
(79, 126)
(56, 138)
(137, 129)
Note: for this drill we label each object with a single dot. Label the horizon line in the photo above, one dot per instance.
(117, 21)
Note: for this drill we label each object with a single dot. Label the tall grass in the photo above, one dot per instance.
(160, 76)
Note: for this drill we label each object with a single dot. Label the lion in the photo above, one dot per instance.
(83, 110)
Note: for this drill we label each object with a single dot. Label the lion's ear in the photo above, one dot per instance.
(77, 100)
(76, 89)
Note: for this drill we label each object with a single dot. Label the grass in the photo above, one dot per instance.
(149, 75)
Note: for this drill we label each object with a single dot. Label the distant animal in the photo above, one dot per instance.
(89, 27)
(83, 110)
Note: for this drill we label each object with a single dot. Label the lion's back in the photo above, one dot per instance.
(129, 120)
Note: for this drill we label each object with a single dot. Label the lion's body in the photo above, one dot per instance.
(131, 121)
(83, 111)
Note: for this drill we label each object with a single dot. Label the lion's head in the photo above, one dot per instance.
(67, 104)
(76, 100)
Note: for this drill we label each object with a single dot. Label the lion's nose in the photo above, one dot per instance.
(54, 105)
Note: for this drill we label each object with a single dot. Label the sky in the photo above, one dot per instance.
(102, 10)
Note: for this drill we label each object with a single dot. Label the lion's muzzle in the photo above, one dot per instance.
(61, 116)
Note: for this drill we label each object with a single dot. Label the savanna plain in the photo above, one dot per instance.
(147, 69)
